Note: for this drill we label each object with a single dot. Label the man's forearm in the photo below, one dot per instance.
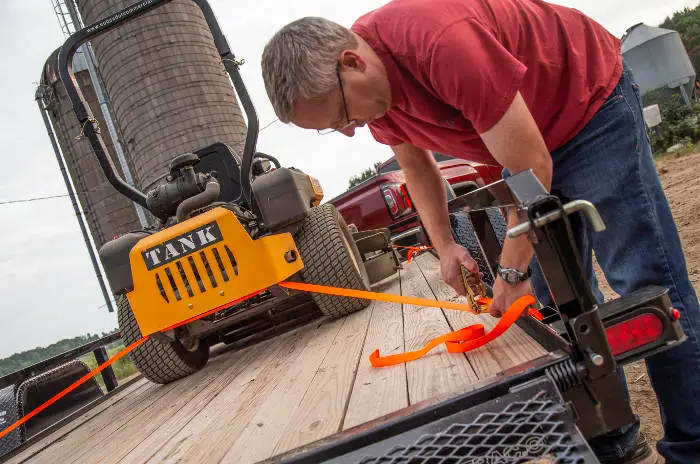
(517, 252)
(427, 191)
(517, 144)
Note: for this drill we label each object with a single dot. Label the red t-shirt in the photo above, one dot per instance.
(456, 65)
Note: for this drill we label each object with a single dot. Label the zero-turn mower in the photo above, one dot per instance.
(226, 227)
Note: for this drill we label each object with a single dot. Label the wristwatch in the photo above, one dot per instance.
(513, 276)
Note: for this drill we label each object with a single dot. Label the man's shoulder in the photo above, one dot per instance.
(404, 24)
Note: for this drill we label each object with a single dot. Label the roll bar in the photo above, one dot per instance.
(129, 13)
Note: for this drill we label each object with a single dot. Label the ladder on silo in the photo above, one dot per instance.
(70, 21)
(65, 16)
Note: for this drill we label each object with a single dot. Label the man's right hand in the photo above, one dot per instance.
(451, 257)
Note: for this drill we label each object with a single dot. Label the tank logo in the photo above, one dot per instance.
(182, 245)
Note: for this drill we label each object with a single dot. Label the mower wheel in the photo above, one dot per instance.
(331, 258)
(158, 361)
(464, 234)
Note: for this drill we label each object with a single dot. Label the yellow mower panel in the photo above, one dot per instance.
(201, 264)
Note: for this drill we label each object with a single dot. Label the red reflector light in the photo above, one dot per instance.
(633, 333)
(407, 199)
(676, 314)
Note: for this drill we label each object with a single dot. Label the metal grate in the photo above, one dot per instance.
(522, 432)
(208, 268)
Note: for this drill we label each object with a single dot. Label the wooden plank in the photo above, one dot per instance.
(241, 410)
(323, 406)
(438, 372)
(149, 420)
(380, 391)
(510, 349)
(146, 433)
(258, 438)
(485, 364)
(73, 445)
(33, 452)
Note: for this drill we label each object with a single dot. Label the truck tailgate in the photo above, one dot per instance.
(283, 393)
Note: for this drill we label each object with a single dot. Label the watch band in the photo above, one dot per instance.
(513, 276)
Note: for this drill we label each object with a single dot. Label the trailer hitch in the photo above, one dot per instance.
(573, 206)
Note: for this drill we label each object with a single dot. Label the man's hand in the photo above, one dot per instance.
(451, 257)
(505, 294)
(427, 190)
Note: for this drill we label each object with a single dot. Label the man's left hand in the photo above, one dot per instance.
(505, 294)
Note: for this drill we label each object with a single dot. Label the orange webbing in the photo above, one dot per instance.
(388, 297)
(413, 250)
(107, 363)
(459, 341)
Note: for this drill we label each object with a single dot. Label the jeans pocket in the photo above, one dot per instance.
(613, 100)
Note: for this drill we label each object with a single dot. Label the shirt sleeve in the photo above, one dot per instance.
(472, 71)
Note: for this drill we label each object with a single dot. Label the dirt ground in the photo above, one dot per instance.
(678, 176)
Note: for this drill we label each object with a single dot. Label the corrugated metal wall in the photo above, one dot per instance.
(108, 212)
(168, 90)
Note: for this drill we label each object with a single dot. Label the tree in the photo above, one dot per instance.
(680, 123)
(687, 23)
(364, 175)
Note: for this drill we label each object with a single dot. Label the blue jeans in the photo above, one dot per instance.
(610, 164)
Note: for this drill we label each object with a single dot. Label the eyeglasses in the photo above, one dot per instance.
(349, 123)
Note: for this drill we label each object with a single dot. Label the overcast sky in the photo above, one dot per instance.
(48, 290)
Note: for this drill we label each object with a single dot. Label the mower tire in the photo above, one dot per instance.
(159, 361)
(464, 234)
(331, 258)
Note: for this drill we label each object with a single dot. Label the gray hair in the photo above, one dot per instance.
(300, 61)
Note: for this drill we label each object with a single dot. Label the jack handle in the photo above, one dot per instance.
(577, 205)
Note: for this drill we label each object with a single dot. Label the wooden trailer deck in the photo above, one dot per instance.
(255, 403)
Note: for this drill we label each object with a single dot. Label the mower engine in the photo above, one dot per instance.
(184, 192)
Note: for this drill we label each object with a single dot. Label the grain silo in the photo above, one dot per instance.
(658, 59)
(169, 92)
(106, 211)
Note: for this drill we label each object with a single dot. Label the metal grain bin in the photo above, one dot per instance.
(107, 212)
(168, 91)
(657, 58)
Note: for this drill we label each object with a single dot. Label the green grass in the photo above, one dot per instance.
(123, 367)
(687, 150)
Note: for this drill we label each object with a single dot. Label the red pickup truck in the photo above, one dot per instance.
(384, 200)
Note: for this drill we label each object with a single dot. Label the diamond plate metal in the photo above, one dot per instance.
(523, 432)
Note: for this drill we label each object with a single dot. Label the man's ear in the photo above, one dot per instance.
(352, 60)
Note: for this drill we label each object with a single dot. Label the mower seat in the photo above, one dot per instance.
(220, 159)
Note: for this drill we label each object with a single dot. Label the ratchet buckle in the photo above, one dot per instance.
(475, 290)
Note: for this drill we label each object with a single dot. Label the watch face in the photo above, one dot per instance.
(512, 276)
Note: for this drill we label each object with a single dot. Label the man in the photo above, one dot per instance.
(528, 85)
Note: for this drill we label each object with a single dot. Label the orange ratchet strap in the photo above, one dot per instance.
(106, 364)
(413, 250)
(462, 340)
(387, 297)
(459, 341)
